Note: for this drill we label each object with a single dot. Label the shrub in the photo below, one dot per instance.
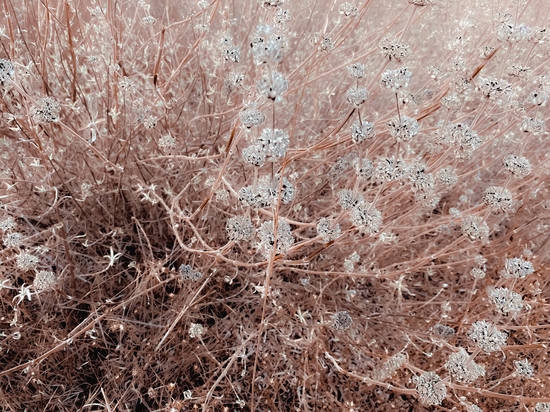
(274, 205)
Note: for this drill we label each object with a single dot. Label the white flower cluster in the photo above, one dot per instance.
(475, 228)
(498, 198)
(251, 117)
(47, 111)
(519, 166)
(327, 230)
(505, 300)
(266, 192)
(44, 280)
(267, 45)
(431, 389)
(25, 261)
(239, 228)
(517, 268)
(272, 85)
(396, 80)
(266, 234)
(196, 330)
(494, 89)
(6, 70)
(463, 368)
(357, 96)
(361, 131)
(390, 366)
(487, 337)
(392, 49)
(403, 128)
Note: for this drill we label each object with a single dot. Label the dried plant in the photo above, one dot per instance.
(274, 205)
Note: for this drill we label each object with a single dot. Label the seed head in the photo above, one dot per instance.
(282, 16)
(361, 131)
(366, 217)
(341, 320)
(267, 236)
(356, 70)
(167, 142)
(273, 143)
(357, 96)
(196, 330)
(267, 46)
(272, 86)
(44, 280)
(390, 366)
(47, 111)
(393, 50)
(328, 231)
(7, 223)
(26, 261)
(6, 70)
(487, 337)
(533, 125)
(463, 368)
(251, 117)
(517, 268)
(148, 21)
(447, 177)
(348, 199)
(431, 389)
(239, 228)
(269, 189)
(403, 128)
(505, 300)
(542, 407)
(524, 368)
(396, 80)
(475, 228)
(348, 10)
(364, 168)
(512, 33)
(390, 169)
(271, 3)
(519, 166)
(443, 330)
(493, 88)
(422, 2)
(254, 155)
(498, 198)
(188, 273)
(13, 239)
(232, 82)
